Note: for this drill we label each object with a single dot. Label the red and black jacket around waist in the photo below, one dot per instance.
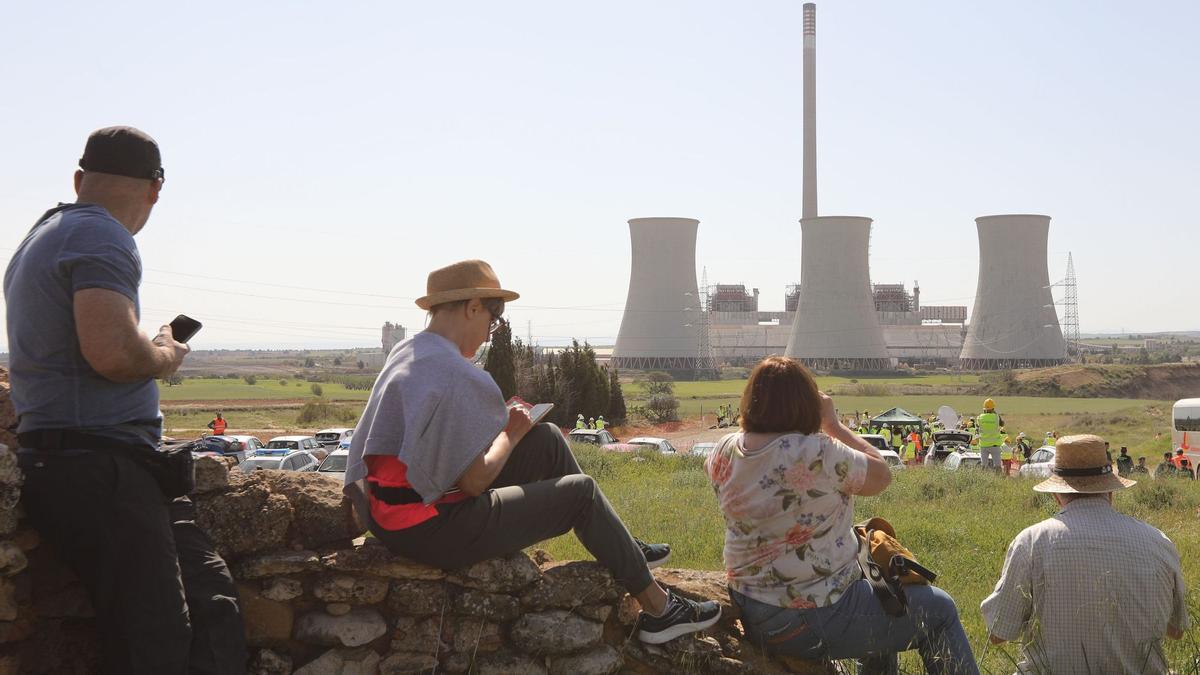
(395, 505)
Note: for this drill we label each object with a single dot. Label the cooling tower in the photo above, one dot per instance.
(836, 326)
(660, 328)
(1014, 324)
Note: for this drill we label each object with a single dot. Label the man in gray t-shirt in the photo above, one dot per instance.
(83, 385)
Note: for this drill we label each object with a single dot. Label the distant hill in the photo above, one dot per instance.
(1167, 381)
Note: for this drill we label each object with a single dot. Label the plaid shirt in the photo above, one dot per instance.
(1091, 590)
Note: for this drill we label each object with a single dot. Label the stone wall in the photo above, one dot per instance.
(319, 599)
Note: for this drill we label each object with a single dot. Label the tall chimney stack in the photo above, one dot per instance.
(809, 206)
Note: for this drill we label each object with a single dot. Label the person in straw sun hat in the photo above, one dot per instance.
(1090, 589)
(445, 473)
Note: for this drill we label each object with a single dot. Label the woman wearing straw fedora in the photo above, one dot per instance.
(1091, 590)
(445, 474)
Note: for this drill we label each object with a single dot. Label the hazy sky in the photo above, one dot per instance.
(321, 158)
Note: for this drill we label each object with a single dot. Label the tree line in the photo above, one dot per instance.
(572, 380)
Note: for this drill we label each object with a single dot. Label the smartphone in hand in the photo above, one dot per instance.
(184, 328)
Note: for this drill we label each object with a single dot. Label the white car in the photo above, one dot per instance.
(703, 449)
(661, 444)
(893, 460)
(1040, 463)
(306, 443)
(962, 460)
(335, 465)
(332, 438)
(283, 460)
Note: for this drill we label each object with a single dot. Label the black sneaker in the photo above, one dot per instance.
(656, 554)
(683, 616)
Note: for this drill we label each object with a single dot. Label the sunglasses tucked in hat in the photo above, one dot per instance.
(1081, 466)
(122, 151)
(463, 281)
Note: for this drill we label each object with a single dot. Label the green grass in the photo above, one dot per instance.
(266, 389)
(958, 524)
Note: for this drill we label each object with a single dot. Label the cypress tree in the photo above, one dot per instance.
(500, 360)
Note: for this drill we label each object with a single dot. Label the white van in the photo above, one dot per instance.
(1185, 428)
(331, 438)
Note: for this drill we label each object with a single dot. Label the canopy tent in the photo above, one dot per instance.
(896, 417)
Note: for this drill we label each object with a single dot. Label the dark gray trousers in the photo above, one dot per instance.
(165, 601)
(539, 494)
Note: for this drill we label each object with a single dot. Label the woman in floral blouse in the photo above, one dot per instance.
(785, 486)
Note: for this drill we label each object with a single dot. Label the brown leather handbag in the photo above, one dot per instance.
(888, 565)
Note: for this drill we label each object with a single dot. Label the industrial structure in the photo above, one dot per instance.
(914, 333)
(836, 326)
(1014, 323)
(835, 319)
(660, 329)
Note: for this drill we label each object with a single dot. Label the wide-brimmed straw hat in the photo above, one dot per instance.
(462, 281)
(1081, 466)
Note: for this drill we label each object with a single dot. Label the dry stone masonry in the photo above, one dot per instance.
(319, 599)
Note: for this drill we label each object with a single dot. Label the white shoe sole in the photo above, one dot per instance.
(677, 630)
(659, 562)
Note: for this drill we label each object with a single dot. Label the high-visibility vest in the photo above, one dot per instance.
(886, 433)
(600, 423)
(218, 427)
(580, 424)
(989, 430)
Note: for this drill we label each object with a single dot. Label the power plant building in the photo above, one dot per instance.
(660, 329)
(1014, 323)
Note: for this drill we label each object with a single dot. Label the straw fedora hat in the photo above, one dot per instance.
(1081, 466)
(462, 281)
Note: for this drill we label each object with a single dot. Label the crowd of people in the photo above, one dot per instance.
(444, 473)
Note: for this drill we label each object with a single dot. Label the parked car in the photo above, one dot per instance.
(307, 443)
(946, 443)
(224, 446)
(703, 449)
(892, 458)
(878, 441)
(332, 438)
(252, 444)
(335, 464)
(649, 443)
(1040, 463)
(591, 436)
(962, 460)
(283, 460)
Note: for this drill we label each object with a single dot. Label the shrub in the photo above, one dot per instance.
(1156, 497)
(283, 383)
(250, 379)
(870, 389)
(324, 411)
(316, 390)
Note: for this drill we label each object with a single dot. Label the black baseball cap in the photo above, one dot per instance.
(123, 151)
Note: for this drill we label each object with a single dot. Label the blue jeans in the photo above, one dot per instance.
(856, 627)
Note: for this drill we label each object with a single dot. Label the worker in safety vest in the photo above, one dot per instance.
(579, 422)
(1006, 454)
(591, 422)
(887, 435)
(218, 425)
(914, 445)
(600, 423)
(991, 440)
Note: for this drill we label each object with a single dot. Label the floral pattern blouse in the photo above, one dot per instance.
(788, 517)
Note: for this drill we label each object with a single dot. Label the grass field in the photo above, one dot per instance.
(214, 389)
(959, 524)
